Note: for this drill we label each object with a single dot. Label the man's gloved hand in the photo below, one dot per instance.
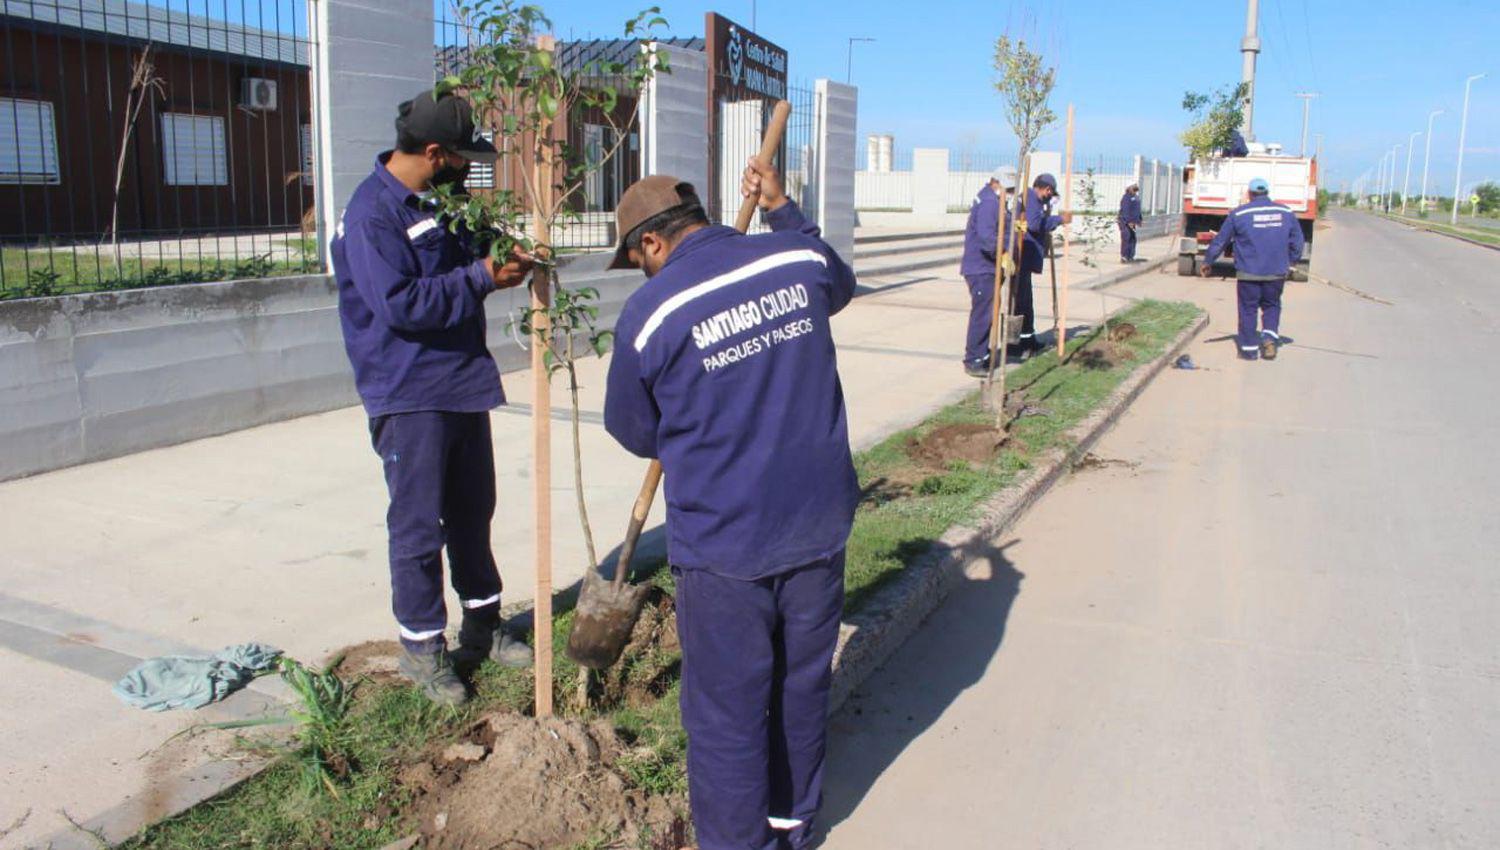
(1021, 227)
(1008, 265)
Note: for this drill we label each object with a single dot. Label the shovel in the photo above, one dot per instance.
(607, 612)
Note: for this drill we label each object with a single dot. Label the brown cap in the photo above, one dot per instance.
(647, 197)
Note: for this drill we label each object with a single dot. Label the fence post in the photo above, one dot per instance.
(369, 57)
(672, 123)
(1155, 186)
(1138, 172)
(836, 107)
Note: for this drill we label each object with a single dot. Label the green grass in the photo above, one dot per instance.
(1488, 237)
(389, 725)
(41, 272)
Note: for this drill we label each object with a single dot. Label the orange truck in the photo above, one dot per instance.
(1213, 186)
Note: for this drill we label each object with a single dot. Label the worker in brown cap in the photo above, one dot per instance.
(724, 369)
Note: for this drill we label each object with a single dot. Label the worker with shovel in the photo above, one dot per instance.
(1039, 226)
(724, 368)
(981, 248)
(1267, 240)
(411, 303)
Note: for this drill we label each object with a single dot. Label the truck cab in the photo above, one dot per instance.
(1213, 186)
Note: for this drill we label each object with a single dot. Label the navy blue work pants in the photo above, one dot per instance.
(756, 668)
(1024, 307)
(440, 472)
(1127, 241)
(1260, 309)
(981, 312)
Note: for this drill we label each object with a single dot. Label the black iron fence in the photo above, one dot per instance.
(151, 143)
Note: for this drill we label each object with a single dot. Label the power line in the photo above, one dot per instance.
(1312, 63)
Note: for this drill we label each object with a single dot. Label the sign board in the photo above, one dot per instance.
(746, 64)
(1474, 200)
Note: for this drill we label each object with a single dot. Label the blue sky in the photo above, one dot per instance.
(1381, 67)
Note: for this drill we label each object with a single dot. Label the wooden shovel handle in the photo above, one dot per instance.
(637, 521)
(769, 145)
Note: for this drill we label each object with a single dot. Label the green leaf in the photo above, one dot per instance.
(445, 85)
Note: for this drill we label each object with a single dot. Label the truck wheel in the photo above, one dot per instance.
(1187, 264)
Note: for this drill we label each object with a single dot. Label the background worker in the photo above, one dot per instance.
(1129, 219)
(978, 266)
(725, 370)
(411, 302)
(1039, 226)
(1267, 239)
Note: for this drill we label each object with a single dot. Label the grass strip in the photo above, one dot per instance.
(389, 725)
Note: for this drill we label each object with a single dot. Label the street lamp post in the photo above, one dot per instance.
(1427, 158)
(1395, 158)
(849, 68)
(1411, 144)
(1463, 127)
(1307, 98)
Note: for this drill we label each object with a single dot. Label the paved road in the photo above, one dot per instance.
(1274, 623)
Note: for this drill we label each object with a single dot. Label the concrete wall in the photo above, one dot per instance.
(372, 54)
(929, 194)
(837, 106)
(88, 377)
(672, 119)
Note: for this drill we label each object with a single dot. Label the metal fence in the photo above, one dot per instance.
(153, 143)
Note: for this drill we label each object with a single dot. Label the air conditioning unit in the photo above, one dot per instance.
(258, 93)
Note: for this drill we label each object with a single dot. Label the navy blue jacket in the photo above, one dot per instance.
(1267, 240)
(724, 368)
(1237, 146)
(1130, 209)
(1039, 227)
(411, 302)
(981, 233)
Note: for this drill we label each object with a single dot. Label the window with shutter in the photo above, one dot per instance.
(193, 150)
(481, 175)
(28, 142)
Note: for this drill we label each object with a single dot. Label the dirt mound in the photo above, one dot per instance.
(518, 783)
(969, 442)
(375, 659)
(1121, 331)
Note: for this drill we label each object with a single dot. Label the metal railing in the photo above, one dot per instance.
(144, 144)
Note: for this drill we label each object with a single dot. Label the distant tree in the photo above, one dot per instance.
(1489, 197)
(1216, 116)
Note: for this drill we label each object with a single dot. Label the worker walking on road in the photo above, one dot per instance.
(1040, 222)
(724, 369)
(1267, 240)
(981, 238)
(411, 302)
(1129, 219)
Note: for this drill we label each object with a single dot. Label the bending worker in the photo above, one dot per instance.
(1129, 219)
(1039, 226)
(724, 369)
(978, 267)
(411, 302)
(1266, 239)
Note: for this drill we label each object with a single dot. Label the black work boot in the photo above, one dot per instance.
(482, 634)
(432, 672)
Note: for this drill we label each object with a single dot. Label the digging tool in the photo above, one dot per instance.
(607, 612)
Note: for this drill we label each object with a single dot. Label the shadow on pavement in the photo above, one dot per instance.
(910, 693)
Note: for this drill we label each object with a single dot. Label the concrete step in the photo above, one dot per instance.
(907, 262)
(908, 246)
(870, 238)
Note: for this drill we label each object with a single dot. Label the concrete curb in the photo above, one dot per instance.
(1107, 280)
(1415, 225)
(870, 637)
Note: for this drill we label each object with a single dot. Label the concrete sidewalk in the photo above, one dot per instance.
(277, 534)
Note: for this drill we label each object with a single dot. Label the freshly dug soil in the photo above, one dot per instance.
(519, 783)
(651, 660)
(376, 660)
(970, 442)
(1121, 331)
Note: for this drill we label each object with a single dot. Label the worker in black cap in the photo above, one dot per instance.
(411, 302)
(1038, 229)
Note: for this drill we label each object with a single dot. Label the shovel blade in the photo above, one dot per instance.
(603, 621)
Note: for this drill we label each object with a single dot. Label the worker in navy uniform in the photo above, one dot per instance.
(1129, 219)
(724, 369)
(1040, 222)
(981, 238)
(1237, 146)
(411, 302)
(1266, 240)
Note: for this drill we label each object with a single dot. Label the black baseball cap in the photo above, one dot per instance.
(446, 120)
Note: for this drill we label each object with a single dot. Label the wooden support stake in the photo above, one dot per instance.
(541, 425)
(1062, 305)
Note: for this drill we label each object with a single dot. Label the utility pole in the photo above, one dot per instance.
(1307, 98)
(1411, 144)
(1395, 157)
(849, 69)
(1249, 47)
(1427, 158)
(1463, 128)
(1319, 146)
(1380, 183)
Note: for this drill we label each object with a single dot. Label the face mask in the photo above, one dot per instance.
(450, 176)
